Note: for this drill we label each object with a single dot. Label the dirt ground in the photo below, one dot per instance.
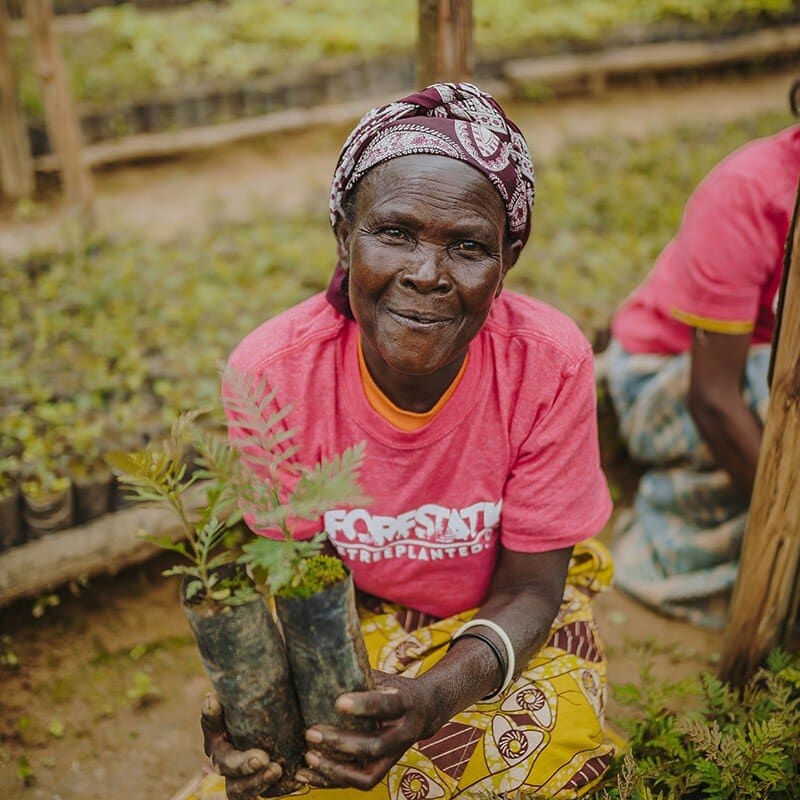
(104, 697)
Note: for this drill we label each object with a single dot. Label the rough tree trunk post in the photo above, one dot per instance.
(16, 164)
(60, 116)
(444, 41)
(764, 596)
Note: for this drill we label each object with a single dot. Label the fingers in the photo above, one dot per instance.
(383, 704)
(325, 773)
(358, 746)
(249, 787)
(227, 760)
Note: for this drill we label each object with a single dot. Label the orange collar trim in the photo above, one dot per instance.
(400, 418)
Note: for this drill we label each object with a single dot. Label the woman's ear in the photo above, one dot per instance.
(511, 254)
(342, 230)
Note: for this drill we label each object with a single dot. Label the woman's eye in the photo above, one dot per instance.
(468, 247)
(396, 234)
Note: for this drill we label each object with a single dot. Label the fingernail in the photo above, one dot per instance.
(302, 777)
(387, 689)
(312, 759)
(256, 763)
(313, 736)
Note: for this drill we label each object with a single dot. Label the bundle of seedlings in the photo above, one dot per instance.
(225, 586)
(236, 636)
(313, 591)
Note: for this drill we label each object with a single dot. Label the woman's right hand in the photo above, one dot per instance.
(247, 773)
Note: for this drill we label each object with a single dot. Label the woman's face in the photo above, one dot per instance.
(424, 249)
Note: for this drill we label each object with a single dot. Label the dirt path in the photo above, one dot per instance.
(105, 697)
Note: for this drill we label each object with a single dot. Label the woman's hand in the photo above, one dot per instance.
(247, 773)
(401, 710)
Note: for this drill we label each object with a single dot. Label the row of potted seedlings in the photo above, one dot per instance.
(54, 475)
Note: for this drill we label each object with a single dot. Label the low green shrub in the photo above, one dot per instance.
(728, 745)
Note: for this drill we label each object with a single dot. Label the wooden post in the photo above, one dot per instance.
(444, 42)
(769, 567)
(16, 164)
(62, 122)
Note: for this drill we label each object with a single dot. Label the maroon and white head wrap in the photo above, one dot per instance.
(456, 120)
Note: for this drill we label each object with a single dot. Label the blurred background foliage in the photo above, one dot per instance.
(122, 53)
(125, 330)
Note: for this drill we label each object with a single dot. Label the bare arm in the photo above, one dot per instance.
(726, 423)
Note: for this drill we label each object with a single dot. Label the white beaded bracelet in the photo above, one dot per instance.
(510, 657)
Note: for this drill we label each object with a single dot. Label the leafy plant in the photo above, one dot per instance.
(159, 476)
(264, 445)
(242, 478)
(735, 745)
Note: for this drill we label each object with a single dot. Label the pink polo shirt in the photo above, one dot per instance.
(722, 271)
(511, 457)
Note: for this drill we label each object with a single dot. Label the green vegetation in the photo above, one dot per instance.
(245, 478)
(126, 53)
(731, 746)
(129, 331)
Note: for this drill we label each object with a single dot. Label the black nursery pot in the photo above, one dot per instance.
(11, 533)
(243, 654)
(326, 651)
(51, 512)
(92, 495)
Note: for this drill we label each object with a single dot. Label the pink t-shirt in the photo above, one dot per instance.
(512, 456)
(723, 269)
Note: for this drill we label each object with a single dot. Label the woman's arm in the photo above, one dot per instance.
(524, 598)
(723, 418)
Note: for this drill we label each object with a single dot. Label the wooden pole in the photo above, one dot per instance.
(62, 122)
(16, 163)
(763, 598)
(444, 41)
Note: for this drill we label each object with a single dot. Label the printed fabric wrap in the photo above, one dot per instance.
(677, 548)
(454, 120)
(544, 737)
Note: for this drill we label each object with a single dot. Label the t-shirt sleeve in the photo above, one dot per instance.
(556, 494)
(722, 255)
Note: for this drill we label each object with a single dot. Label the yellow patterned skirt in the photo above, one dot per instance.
(544, 737)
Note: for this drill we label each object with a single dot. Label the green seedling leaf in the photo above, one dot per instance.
(56, 728)
(25, 772)
(165, 543)
(144, 691)
(44, 602)
(192, 589)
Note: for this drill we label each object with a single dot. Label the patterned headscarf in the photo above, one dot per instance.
(456, 120)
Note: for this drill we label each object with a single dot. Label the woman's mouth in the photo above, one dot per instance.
(415, 318)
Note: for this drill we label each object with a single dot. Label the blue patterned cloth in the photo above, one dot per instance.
(677, 549)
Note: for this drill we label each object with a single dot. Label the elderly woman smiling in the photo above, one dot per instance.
(474, 560)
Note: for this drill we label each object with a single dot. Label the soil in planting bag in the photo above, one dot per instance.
(48, 513)
(244, 657)
(327, 654)
(10, 520)
(92, 495)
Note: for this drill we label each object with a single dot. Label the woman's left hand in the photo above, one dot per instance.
(338, 758)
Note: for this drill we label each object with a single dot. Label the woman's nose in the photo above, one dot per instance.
(425, 272)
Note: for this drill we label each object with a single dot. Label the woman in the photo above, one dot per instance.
(687, 374)
(478, 411)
